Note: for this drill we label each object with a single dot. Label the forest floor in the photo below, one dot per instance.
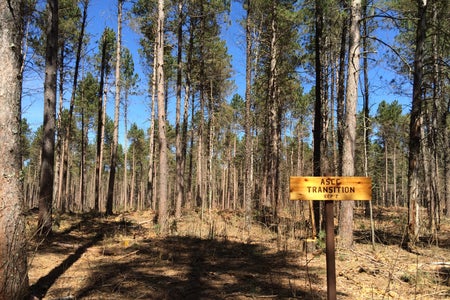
(123, 257)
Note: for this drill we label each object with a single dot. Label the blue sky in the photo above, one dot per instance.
(101, 15)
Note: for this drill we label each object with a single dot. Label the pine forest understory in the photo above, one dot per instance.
(163, 153)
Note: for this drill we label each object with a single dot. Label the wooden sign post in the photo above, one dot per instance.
(330, 189)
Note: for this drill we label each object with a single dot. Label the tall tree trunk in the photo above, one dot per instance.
(13, 249)
(151, 159)
(366, 94)
(184, 135)
(178, 133)
(386, 174)
(414, 129)
(114, 146)
(425, 152)
(447, 162)
(341, 90)
(100, 124)
(273, 159)
(436, 140)
(248, 192)
(318, 132)
(366, 115)
(59, 135)
(84, 143)
(65, 169)
(348, 154)
(200, 197)
(163, 172)
(48, 142)
(133, 179)
(209, 149)
(125, 158)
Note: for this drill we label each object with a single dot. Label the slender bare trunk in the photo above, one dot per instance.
(179, 157)
(114, 146)
(414, 129)
(348, 154)
(65, 147)
(163, 171)
(248, 192)
(100, 127)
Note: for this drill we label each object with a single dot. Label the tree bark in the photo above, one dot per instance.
(151, 159)
(179, 150)
(318, 132)
(114, 146)
(248, 191)
(64, 172)
(13, 249)
(48, 143)
(341, 90)
(348, 154)
(163, 171)
(100, 123)
(414, 129)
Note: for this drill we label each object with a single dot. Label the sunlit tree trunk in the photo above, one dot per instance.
(248, 191)
(163, 171)
(84, 142)
(125, 158)
(59, 135)
(179, 152)
(341, 89)
(13, 249)
(446, 168)
(184, 135)
(114, 146)
(151, 159)
(64, 171)
(273, 125)
(133, 179)
(415, 127)
(348, 154)
(99, 131)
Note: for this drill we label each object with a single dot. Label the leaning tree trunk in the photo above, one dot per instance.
(48, 142)
(13, 254)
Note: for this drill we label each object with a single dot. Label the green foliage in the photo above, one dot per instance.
(86, 99)
(106, 54)
(128, 76)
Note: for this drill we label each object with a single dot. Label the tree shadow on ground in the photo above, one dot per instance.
(76, 240)
(40, 288)
(193, 268)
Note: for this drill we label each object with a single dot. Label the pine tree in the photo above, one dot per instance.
(48, 143)
(13, 248)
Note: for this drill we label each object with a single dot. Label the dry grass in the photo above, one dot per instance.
(124, 257)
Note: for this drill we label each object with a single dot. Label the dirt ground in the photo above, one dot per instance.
(123, 257)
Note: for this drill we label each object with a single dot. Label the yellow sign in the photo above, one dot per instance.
(330, 188)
